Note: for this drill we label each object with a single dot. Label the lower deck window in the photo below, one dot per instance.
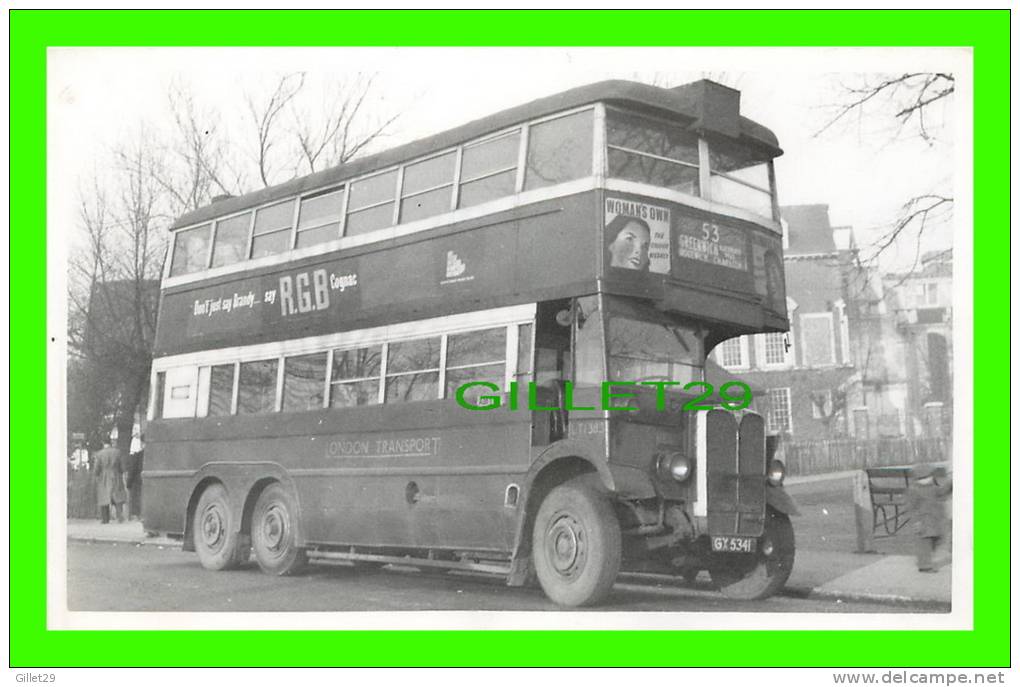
(475, 357)
(303, 381)
(355, 378)
(221, 389)
(413, 370)
(256, 387)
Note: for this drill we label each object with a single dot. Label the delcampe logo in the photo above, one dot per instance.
(455, 269)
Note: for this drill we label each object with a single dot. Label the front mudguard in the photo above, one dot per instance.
(777, 498)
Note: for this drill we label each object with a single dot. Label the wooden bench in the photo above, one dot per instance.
(888, 489)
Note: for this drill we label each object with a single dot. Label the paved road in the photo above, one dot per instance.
(124, 577)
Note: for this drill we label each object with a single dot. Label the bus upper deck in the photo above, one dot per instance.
(540, 201)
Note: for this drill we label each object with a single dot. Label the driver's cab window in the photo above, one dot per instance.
(588, 347)
(552, 343)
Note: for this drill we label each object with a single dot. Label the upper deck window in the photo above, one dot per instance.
(371, 203)
(489, 169)
(319, 218)
(272, 229)
(740, 177)
(231, 241)
(559, 150)
(428, 187)
(191, 250)
(652, 152)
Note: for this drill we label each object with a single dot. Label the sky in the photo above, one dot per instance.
(99, 95)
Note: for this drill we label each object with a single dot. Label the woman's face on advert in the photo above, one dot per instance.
(630, 247)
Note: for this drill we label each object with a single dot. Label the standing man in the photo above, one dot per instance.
(110, 489)
(133, 479)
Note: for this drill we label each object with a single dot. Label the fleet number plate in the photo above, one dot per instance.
(734, 544)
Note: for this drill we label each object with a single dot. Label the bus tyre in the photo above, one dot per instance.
(763, 574)
(576, 543)
(274, 532)
(217, 540)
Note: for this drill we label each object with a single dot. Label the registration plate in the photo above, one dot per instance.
(734, 544)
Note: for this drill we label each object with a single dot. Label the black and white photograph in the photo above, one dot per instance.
(510, 338)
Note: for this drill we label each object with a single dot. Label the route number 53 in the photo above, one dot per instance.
(710, 232)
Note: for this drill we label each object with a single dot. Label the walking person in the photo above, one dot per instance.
(110, 488)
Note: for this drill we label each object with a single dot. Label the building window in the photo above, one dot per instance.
(773, 349)
(272, 229)
(821, 404)
(355, 377)
(191, 250)
(732, 353)
(817, 341)
(427, 188)
(652, 152)
(861, 430)
(256, 387)
(488, 169)
(778, 419)
(304, 377)
(559, 150)
(930, 295)
(319, 218)
(412, 370)
(231, 240)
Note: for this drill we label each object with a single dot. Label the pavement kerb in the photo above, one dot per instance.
(148, 541)
(873, 597)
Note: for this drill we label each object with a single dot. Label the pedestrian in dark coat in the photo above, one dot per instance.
(133, 479)
(925, 498)
(110, 490)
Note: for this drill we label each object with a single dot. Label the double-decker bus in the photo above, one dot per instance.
(321, 343)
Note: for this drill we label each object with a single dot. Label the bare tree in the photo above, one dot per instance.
(125, 214)
(341, 132)
(901, 107)
(300, 131)
(113, 290)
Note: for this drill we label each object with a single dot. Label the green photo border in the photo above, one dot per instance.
(32, 32)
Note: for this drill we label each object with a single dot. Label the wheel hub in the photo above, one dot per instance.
(274, 527)
(212, 529)
(566, 549)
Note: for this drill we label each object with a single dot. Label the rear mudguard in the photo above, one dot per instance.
(780, 500)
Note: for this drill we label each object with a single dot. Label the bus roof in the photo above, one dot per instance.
(712, 107)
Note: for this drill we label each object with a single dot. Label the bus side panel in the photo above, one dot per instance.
(419, 474)
(532, 253)
(164, 500)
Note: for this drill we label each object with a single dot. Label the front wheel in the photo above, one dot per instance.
(762, 574)
(577, 543)
(274, 532)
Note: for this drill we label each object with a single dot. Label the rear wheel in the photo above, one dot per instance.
(274, 532)
(576, 543)
(217, 540)
(765, 572)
